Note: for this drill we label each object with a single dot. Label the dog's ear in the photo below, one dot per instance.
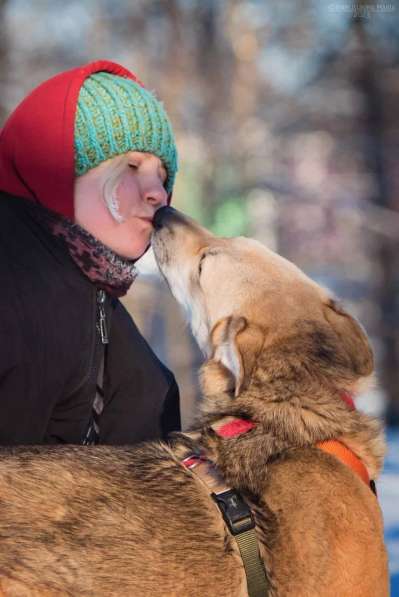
(236, 345)
(352, 337)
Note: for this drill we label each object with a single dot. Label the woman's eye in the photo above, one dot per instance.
(133, 166)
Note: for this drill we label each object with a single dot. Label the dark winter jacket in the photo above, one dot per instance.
(50, 347)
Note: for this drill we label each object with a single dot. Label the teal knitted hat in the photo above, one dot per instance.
(115, 115)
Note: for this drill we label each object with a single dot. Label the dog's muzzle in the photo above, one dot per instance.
(162, 234)
(166, 217)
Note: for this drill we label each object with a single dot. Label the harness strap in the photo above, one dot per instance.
(345, 455)
(241, 523)
(239, 520)
(257, 581)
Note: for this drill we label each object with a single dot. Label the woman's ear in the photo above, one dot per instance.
(352, 337)
(236, 345)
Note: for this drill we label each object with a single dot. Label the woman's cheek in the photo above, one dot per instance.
(127, 195)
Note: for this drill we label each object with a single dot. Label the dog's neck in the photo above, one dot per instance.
(282, 424)
(295, 398)
(233, 427)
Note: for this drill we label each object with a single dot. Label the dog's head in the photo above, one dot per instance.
(243, 301)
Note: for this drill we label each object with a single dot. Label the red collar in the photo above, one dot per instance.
(235, 427)
(348, 399)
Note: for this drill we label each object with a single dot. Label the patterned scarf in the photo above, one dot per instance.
(106, 269)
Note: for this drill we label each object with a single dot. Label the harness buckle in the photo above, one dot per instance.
(235, 511)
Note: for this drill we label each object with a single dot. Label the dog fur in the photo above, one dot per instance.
(133, 521)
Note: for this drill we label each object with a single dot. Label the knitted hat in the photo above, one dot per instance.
(115, 115)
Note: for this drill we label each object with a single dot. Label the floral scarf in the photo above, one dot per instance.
(101, 265)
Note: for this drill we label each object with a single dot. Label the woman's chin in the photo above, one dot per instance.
(142, 253)
(132, 253)
(129, 242)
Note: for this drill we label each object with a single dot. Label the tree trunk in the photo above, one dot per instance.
(386, 249)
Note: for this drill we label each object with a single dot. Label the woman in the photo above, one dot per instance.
(85, 161)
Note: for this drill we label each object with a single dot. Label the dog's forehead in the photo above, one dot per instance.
(253, 254)
(247, 260)
(236, 246)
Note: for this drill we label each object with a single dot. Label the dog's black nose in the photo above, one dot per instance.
(162, 216)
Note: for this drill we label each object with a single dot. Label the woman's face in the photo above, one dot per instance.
(117, 200)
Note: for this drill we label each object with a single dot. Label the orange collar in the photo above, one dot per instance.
(233, 426)
(345, 455)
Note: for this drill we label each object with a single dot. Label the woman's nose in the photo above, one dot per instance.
(156, 195)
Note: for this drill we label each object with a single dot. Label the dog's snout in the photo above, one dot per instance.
(165, 216)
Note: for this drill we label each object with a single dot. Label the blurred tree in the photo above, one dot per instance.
(376, 121)
(285, 116)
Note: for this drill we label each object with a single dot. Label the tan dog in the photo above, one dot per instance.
(133, 521)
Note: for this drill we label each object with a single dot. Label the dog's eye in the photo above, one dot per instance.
(200, 264)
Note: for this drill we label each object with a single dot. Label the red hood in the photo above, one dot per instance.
(37, 140)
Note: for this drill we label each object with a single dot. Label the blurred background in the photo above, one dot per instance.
(287, 123)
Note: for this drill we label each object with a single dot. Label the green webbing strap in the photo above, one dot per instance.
(257, 582)
(240, 521)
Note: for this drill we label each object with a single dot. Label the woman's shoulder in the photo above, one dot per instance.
(42, 289)
(23, 231)
(30, 253)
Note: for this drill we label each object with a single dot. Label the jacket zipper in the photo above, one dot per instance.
(91, 436)
(102, 317)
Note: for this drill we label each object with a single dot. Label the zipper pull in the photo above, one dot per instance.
(102, 321)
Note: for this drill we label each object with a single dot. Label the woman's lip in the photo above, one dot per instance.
(149, 220)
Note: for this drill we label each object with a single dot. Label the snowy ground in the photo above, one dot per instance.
(388, 495)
